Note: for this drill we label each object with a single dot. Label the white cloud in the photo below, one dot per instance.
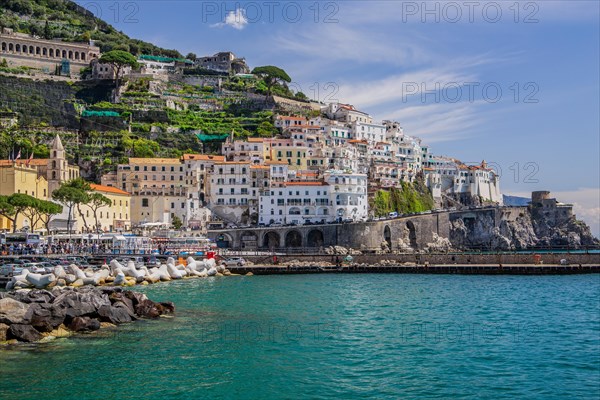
(438, 122)
(236, 19)
(332, 43)
(403, 88)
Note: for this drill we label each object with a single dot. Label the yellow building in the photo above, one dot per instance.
(115, 217)
(18, 177)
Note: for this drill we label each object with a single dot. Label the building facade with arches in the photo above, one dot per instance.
(24, 50)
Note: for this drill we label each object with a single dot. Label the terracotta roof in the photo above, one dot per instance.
(232, 163)
(358, 141)
(205, 157)
(277, 162)
(255, 139)
(307, 183)
(154, 161)
(108, 189)
(34, 162)
(259, 167)
(284, 117)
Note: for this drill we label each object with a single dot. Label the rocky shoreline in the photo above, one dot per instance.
(34, 315)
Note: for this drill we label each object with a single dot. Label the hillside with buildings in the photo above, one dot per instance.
(206, 142)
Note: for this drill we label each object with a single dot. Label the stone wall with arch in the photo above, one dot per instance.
(23, 50)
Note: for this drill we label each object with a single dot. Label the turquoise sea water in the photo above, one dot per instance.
(334, 336)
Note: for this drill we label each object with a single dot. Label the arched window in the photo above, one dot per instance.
(83, 56)
(77, 55)
(3, 46)
(31, 50)
(11, 47)
(54, 164)
(64, 54)
(53, 174)
(51, 53)
(38, 51)
(70, 55)
(45, 52)
(18, 48)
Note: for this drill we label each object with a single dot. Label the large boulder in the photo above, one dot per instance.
(122, 298)
(85, 302)
(135, 297)
(23, 333)
(45, 317)
(12, 311)
(84, 324)
(32, 296)
(114, 315)
(148, 309)
(3, 332)
(168, 307)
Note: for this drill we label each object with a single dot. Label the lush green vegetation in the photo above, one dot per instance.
(68, 21)
(35, 210)
(410, 198)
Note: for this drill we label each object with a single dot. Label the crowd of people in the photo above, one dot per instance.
(56, 248)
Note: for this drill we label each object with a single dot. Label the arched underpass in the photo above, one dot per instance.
(387, 236)
(271, 240)
(314, 238)
(412, 234)
(293, 239)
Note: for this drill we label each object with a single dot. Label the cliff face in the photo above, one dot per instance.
(526, 228)
(572, 233)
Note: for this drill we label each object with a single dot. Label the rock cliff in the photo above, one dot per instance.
(529, 229)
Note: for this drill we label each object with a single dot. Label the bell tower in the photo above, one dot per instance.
(57, 166)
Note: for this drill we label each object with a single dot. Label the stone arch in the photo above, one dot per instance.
(293, 239)
(31, 50)
(387, 236)
(51, 53)
(18, 48)
(45, 52)
(77, 55)
(70, 54)
(4, 47)
(64, 54)
(271, 240)
(314, 238)
(83, 56)
(224, 240)
(249, 240)
(412, 234)
(11, 47)
(38, 51)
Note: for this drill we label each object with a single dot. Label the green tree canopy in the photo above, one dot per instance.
(72, 193)
(20, 203)
(118, 60)
(271, 75)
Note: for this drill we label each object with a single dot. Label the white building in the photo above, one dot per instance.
(372, 133)
(348, 195)
(296, 203)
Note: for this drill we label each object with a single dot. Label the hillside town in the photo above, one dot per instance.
(321, 166)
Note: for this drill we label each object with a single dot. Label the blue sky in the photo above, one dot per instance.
(542, 131)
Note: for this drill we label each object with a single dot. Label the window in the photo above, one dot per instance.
(144, 202)
(172, 205)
